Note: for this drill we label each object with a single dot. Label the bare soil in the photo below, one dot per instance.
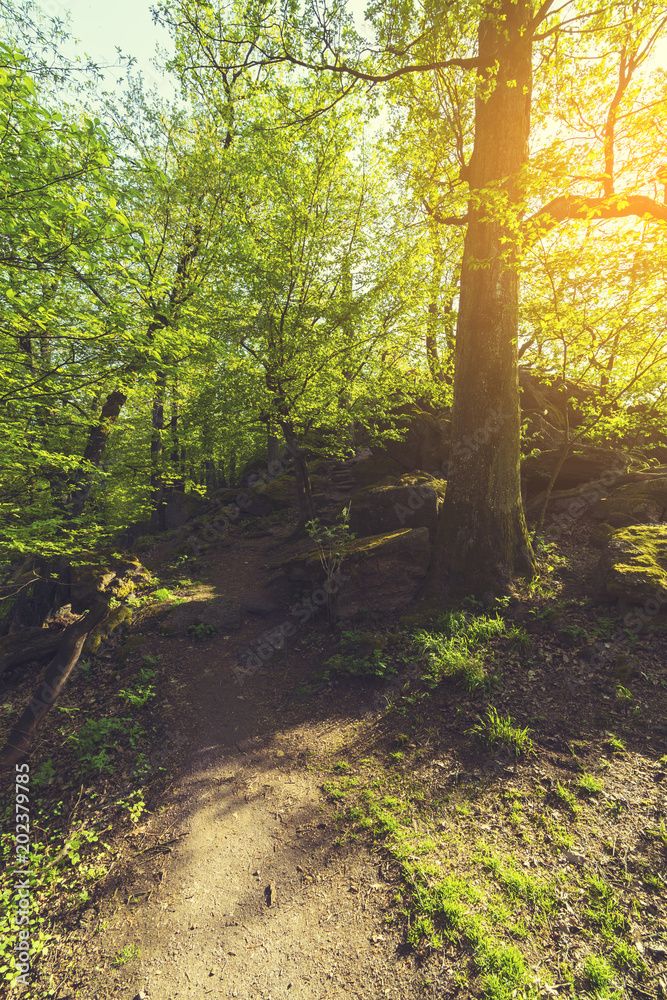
(241, 880)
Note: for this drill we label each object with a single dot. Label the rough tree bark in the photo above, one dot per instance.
(98, 435)
(484, 539)
(304, 492)
(46, 694)
(157, 429)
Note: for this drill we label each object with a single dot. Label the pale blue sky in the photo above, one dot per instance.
(100, 27)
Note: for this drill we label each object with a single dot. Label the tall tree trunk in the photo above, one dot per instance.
(304, 493)
(157, 478)
(432, 352)
(272, 448)
(210, 474)
(98, 435)
(178, 454)
(483, 539)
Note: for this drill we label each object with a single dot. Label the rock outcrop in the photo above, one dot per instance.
(642, 502)
(633, 565)
(410, 502)
(586, 464)
(425, 446)
(104, 573)
(380, 574)
(181, 508)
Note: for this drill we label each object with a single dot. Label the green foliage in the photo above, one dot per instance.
(589, 785)
(202, 632)
(332, 543)
(363, 654)
(496, 729)
(566, 798)
(97, 737)
(163, 594)
(599, 975)
(615, 745)
(141, 690)
(126, 954)
(450, 651)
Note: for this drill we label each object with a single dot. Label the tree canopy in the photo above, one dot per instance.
(334, 220)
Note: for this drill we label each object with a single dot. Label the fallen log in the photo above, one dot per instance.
(27, 645)
(46, 694)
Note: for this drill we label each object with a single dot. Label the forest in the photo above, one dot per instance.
(333, 437)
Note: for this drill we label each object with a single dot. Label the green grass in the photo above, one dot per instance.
(514, 882)
(599, 975)
(566, 798)
(126, 954)
(501, 730)
(450, 649)
(163, 594)
(589, 785)
(614, 744)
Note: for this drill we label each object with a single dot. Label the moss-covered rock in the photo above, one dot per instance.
(586, 465)
(633, 566)
(263, 497)
(635, 503)
(380, 574)
(181, 508)
(410, 502)
(104, 572)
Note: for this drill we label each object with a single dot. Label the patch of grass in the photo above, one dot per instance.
(505, 974)
(605, 913)
(556, 832)
(659, 832)
(337, 790)
(567, 798)
(520, 639)
(589, 785)
(202, 632)
(515, 883)
(599, 975)
(614, 744)
(363, 654)
(141, 690)
(501, 730)
(449, 650)
(624, 697)
(126, 954)
(163, 594)
(97, 738)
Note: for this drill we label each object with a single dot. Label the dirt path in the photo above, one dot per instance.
(257, 900)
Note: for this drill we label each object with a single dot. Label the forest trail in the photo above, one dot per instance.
(257, 901)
